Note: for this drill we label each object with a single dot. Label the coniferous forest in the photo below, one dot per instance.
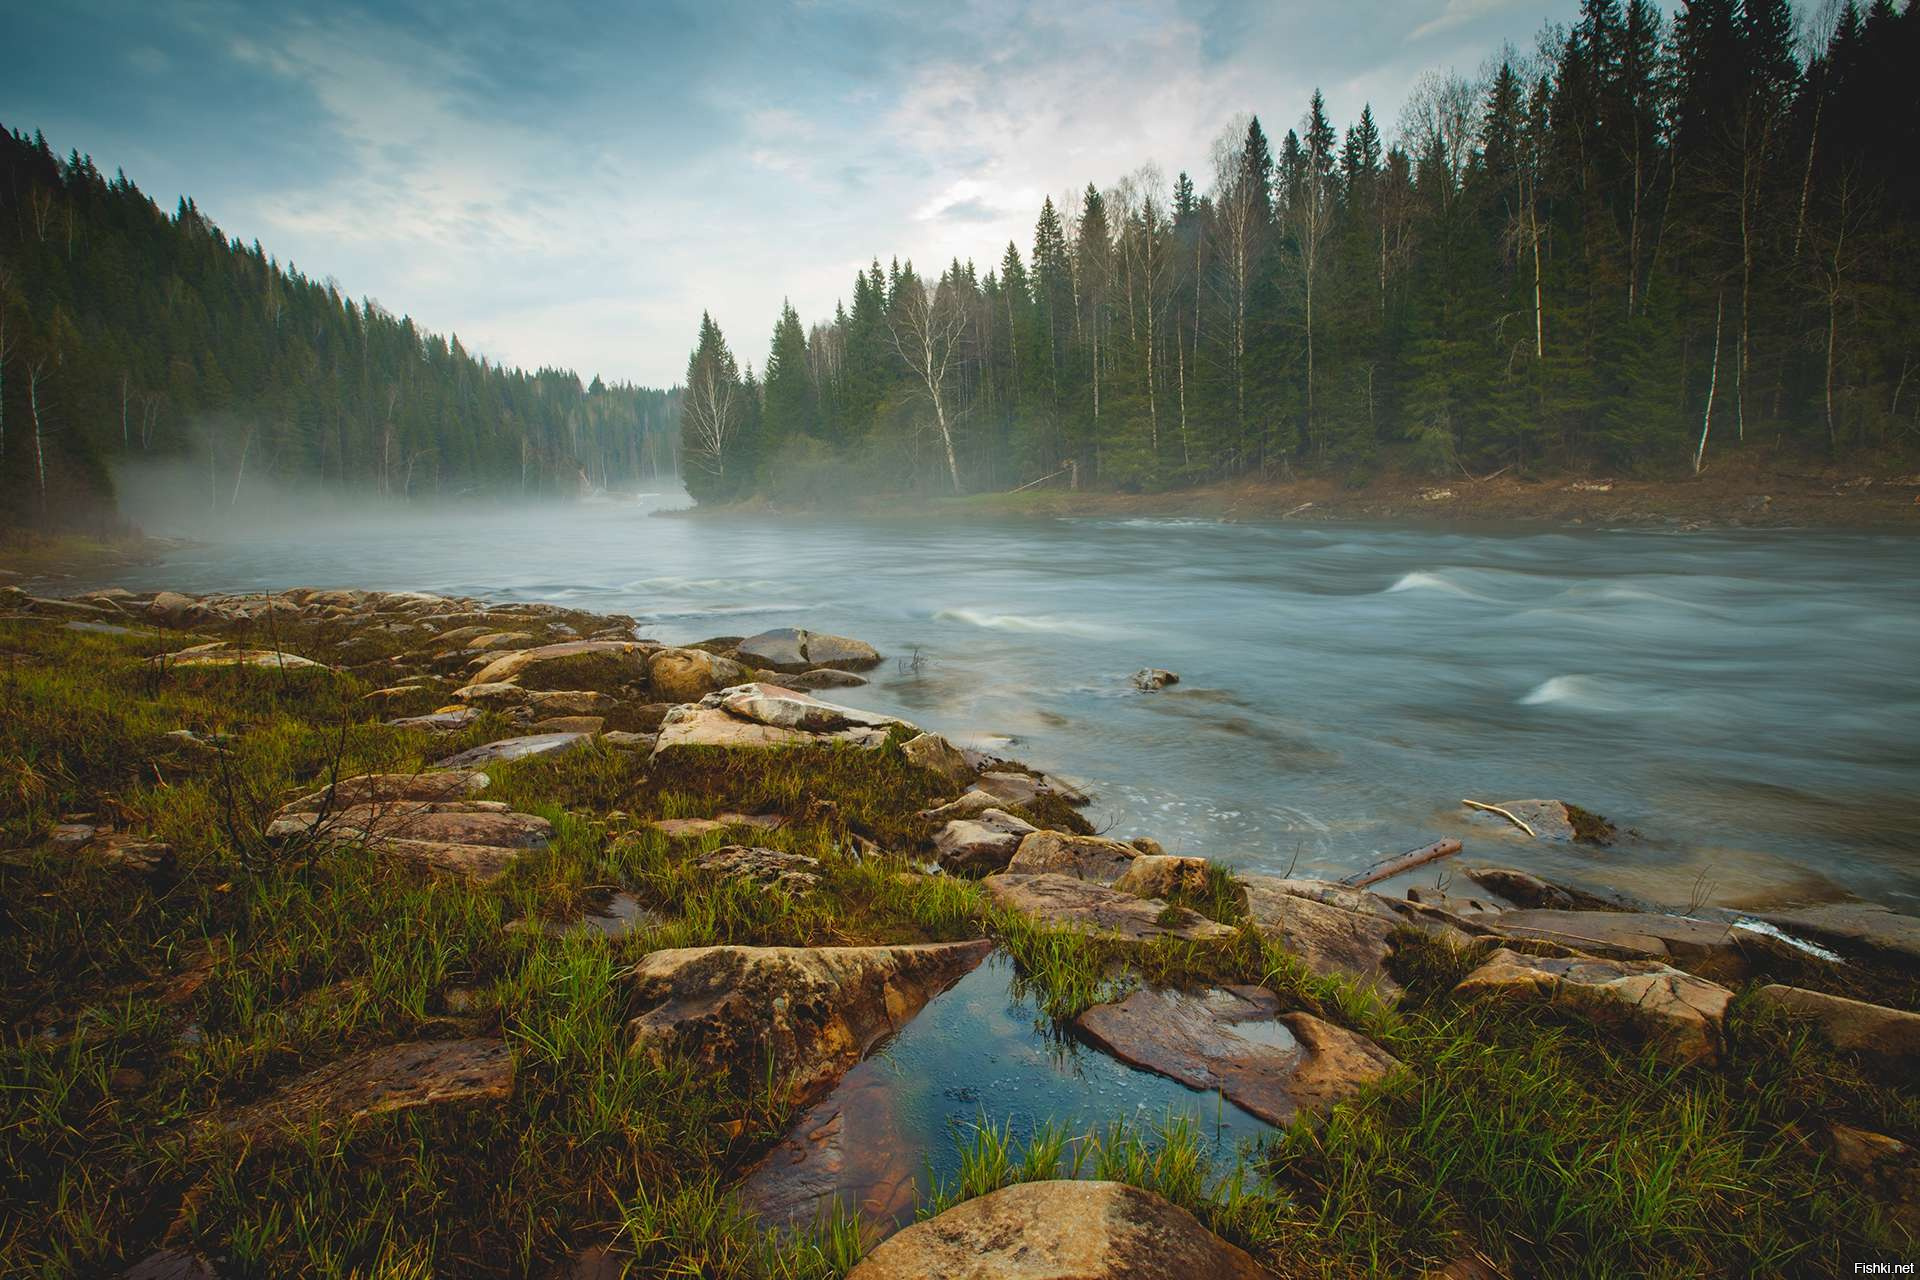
(128, 334)
(1655, 240)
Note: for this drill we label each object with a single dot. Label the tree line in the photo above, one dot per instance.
(126, 333)
(1650, 240)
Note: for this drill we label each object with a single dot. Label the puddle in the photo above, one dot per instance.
(972, 1054)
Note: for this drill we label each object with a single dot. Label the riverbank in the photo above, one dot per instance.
(502, 942)
(1736, 494)
(26, 556)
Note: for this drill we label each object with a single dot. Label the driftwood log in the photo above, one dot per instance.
(1402, 862)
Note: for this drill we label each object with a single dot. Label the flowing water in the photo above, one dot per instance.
(1747, 704)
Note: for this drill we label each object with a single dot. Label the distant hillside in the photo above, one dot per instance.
(126, 333)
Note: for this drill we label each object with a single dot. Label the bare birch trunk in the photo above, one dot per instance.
(1713, 383)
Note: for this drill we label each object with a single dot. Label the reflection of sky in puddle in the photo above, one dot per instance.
(974, 1054)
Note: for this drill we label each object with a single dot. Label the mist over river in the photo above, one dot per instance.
(1747, 703)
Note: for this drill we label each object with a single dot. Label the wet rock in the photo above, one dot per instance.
(1092, 858)
(1623, 934)
(1235, 1040)
(688, 675)
(589, 725)
(1678, 1012)
(451, 721)
(1152, 679)
(1065, 1230)
(1526, 890)
(1025, 788)
(1889, 1039)
(821, 678)
(986, 842)
(605, 665)
(1159, 875)
(1555, 820)
(1428, 897)
(935, 754)
(538, 744)
(794, 873)
(171, 1264)
(401, 1077)
(1343, 932)
(1095, 908)
(384, 788)
(847, 1147)
(815, 1011)
(1859, 930)
(793, 649)
(1887, 1169)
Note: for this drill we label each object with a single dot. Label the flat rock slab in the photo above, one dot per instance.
(1235, 1040)
(847, 1147)
(971, 804)
(382, 788)
(1860, 930)
(1065, 1230)
(270, 659)
(1529, 891)
(985, 842)
(575, 664)
(1092, 858)
(399, 1077)
(793, 649)
(693, 828)
(477, 862)
(794, 873)
(439, 721)
(171, 1264)
(1347, 940)
(694, 725)
(770, 704)
(453, 823)
(1629, 934)
(1889, 1038)
(1025, 788)
(1678, 1012)
(1095, 908)
(815, 1011)
(523, 748)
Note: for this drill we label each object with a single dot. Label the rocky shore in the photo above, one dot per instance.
(513, 942)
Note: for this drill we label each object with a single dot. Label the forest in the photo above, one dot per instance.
(127, 334)
(1650, 242)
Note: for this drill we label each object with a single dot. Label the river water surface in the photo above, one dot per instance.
(1745, 704)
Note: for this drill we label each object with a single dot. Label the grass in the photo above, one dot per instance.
(137, 1007)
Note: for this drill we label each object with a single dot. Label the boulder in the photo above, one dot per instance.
(1160, 875)
(171, 609)
(1152, 679)
(688, 675)
(1343, 932)
(1888, 1038)
(985, 842)
(795, 873)
(400, 1077)
(1064, 1230)
(792, 649)
(538, 744)
(935, 754)
(813, 1012)
(1676, 1011)
(1857, 929)
(1235, 1040)
(1083, 857)
(1887, 1169)
(1094, 908)
(576, 664)
(772, 705)
(693, 725)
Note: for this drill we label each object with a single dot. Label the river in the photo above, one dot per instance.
(1745, 705)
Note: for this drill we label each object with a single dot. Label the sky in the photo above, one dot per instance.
(572, 184)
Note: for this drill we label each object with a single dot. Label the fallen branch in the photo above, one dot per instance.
(1403, 862)
(1296, 511)
(1508, 814)
(1042, 480)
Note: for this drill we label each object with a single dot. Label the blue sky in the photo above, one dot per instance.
(563, 183)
